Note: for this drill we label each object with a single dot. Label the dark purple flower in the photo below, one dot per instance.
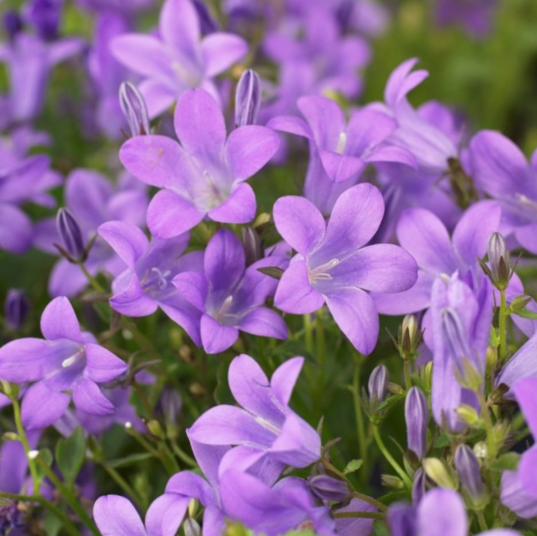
(333, 266)
(66, 360)
(179, 59)
(70, 234)
(205, 174)
(16, 308)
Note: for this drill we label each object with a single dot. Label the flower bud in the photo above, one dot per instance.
(191, 527)
(13, 24)
(498, 261)
(45, 17)
(134, 109)
(391, 481)
(468, 414)
(417, 417)
(156, 429)
(70, 235)
(326, 488)
(170, 405)
(16, 308)
(469, 473)
(247, 99)
(439, 473)
(207, 23)
(419, 486)
(378, 384)
(409, 337)
(252, 245)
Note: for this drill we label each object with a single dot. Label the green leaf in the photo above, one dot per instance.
(70, 454)
(507, 462)
(526, 313)
(129, 460)
(352, 466)
(389, 402)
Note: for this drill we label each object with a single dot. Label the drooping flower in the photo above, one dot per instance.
(265, 422)
(205, 174)
(179, 59)
(333, 266)
(231, 296)
(146, 283)
(66, 360)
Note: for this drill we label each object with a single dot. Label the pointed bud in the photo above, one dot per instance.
(498, 261)
(16, 308)
(13, 24)
(156, 429)
(417, 418)
(470, 474)
(392, 482)
(170, 405)
(252, 245)
(70, 235)
(191, 527)
(419, 486)
(134, 109)
(409, 337)
(378, 384)
(247, 99)
(326, 488)
(439, 473)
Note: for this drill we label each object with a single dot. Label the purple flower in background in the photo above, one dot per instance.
(146, 284)
(44, 16)
(440, 507)
(264, 422)
(461, 315)
(205, 174)
(16, 308)
(29, 61)
(475, 16)
(519, 488)
(344, 150)
(425, 237)
(500, 169)
(127, 8)
(92, 200)
(178, 59)
(231, 297)
(67, 360)
(333, 266)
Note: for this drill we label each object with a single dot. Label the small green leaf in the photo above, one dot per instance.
(70, 455)
(389, 402)
(352, 466)
(271, 271)
(129, 460)
(507, 462)
(526, 313)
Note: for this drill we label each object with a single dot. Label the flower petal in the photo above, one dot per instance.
(216, 337)
(59, 321)
(239, 207)
(264, 322)
(88, 397)
(102, 365)
(116, 516)
(41, 406)
(165, 514)
(447, 509)
(128, 241)
(221, 50)
(132, 301)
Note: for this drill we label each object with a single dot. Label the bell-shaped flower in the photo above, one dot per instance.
(230, 296)
(178, 59)
(265, 421)
(146, 284)
(66, 360)
(344, 149)
(203, 175)
(333, 266)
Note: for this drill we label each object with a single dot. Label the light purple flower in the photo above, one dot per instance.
(92, 200)
(426, 238)
(205, 174)
(178, 59)
(333, 266)
(231, 297)
(66, 360)
(146, 284)
(265, 422)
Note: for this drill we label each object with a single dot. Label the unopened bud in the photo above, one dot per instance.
(417, 418)
(481, 450)
(252, 245)
(419, 486)
(378, 384)
(16, 308)
(191, 527)
(45, 17)
(13, 24)
(326, 488)
(170, 405)
(392, 482)
(70, 235)
(409, 337)
(468, 414)
(470, 474)
(155, 428)
(207, 23)
(519, 303)
(498, 261)
(247, 99)
(491, 357)
(439, 473)
(134, 109)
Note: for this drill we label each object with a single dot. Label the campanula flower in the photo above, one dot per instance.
(334, 265)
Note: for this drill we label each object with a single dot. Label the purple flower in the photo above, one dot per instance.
(333, 266)
(146, 284)
(92, 200)
(247, 99)
(16, 308)
(475, 16)
(205, 174)
(417, 418)
(501, 170)
(461, 315)
(344, 150)
(229, 296)
(264, 422)
(425, 237)
(179, 59)
(45, 16)
(121, 6)
(29, 61)
(67, 360)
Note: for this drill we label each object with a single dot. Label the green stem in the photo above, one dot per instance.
(66, 523)
(124, 485)
(68, 495)
(502, 326)
(25, 444)
(169, 465)
(143, 398)
(481, 520)
(491, 444)
(308, 333)
(362, 515)
(139, 337)
(94, 283)
(389, 457)
(183, 456)
(370, 500)
(321, 346)
(408, 379)
(358, 410)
